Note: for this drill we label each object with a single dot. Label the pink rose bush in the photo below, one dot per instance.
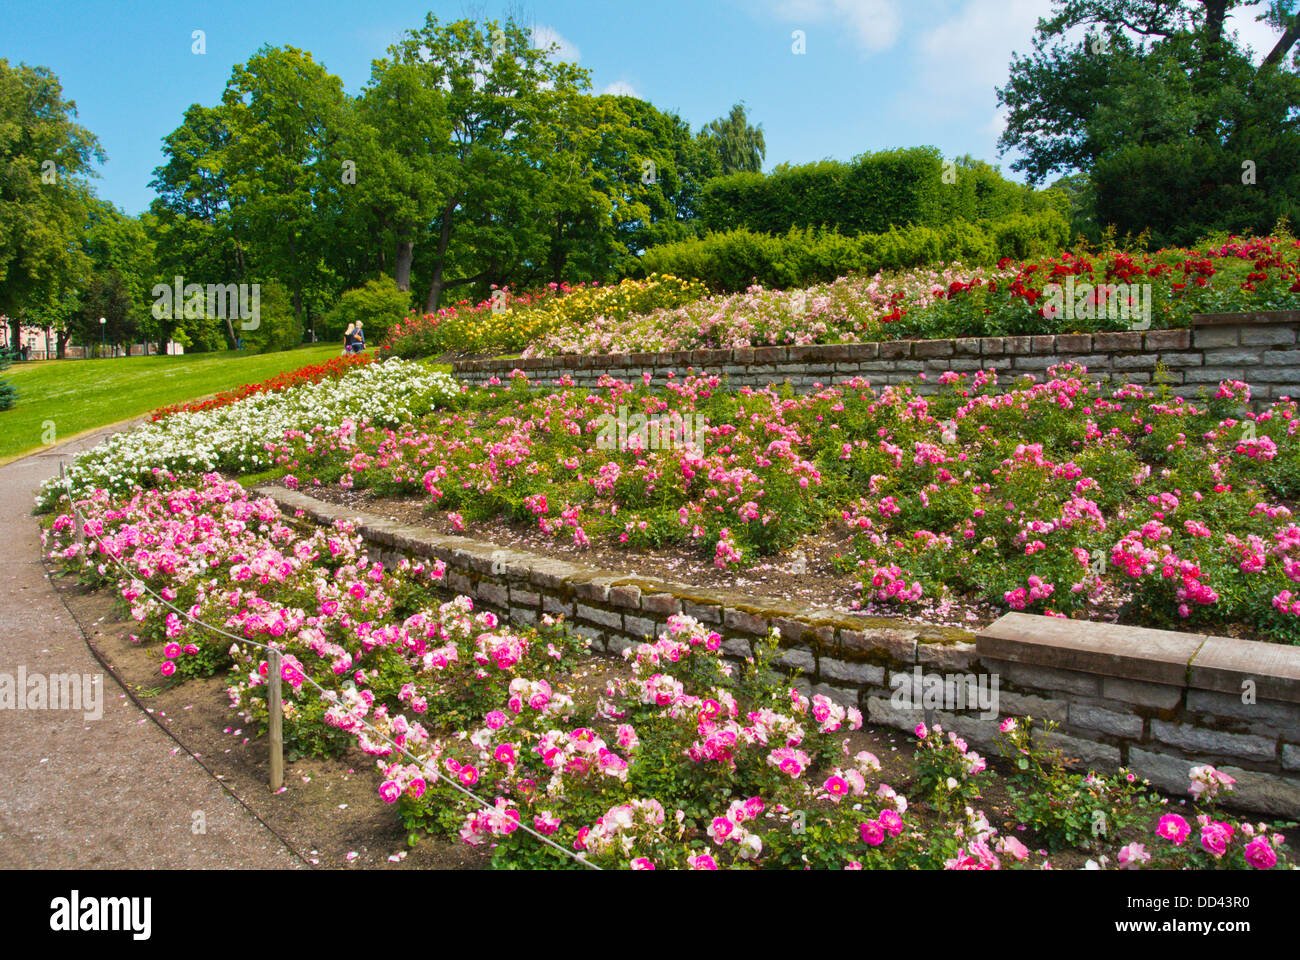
(1059, 497)
(685, 757)
(1212, 840)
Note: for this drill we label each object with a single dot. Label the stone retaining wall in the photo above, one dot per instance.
(1260, 348)
(1155, 701)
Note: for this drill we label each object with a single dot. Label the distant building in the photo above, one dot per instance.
(38, 343)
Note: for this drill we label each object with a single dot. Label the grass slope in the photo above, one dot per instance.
(80, 395)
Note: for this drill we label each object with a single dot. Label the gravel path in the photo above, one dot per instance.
(115, 792)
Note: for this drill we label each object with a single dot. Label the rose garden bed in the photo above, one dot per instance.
(642, 772)
(694, 758)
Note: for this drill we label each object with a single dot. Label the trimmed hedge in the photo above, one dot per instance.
(873, 193)
(736, 259)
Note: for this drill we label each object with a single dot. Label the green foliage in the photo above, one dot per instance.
(278, 328)
(735, 259)
(44, 161)
(281, 109)
(740, 147)
(1176, 127)
(377, 305)
(8, 393)
(507, 103)
(876, 191)
(1062, 809)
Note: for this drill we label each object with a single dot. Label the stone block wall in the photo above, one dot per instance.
(1261, 349)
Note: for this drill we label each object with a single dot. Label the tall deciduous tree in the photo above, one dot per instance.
(621, 176)
(498, 92)
(194, 232)
(45, 159)
(395, 149)
(122, 246)
(1177, 128)
(283, 112)
(740, 146)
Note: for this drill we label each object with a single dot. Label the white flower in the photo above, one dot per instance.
(236, 436)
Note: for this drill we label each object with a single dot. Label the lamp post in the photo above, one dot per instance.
(103, 330)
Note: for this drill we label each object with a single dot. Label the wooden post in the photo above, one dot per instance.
(80, 535)
(275, 729)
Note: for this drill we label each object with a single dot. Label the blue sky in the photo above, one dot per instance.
(876, 74)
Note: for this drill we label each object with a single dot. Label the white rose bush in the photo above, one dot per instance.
(234, 437)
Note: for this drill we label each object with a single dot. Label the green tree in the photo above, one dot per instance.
(398, 136)
(622, 176)
(1159, 105)
(377, 306)
(739, 145)
(499, 90)
(278, 326)
(120, 245)
(105, 296)
(283, 112)
(45, 160)
(192, 227)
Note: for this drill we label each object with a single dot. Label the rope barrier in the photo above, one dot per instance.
(274, 654)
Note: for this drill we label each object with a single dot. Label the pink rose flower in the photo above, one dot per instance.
(873, 834)
(1260, 855)
(1133, 855)
(1174, 828)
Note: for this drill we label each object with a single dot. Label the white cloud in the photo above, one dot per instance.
(960, 56)
(968, 54)
(875, 25)
(998, 122)
(545, 37)
(621, 88)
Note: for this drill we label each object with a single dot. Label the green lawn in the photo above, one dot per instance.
(80, 395)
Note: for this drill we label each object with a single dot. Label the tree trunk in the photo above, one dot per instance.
(1216, 12)
(402, 271)
(444, 241)
(559, 256)
(1284, 44)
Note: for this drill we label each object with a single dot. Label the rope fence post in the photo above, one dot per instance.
(78, 525)
(275, 725)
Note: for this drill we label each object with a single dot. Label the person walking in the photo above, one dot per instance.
(354, 338)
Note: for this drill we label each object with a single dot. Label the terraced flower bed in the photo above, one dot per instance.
(1065, 497)
(234, 436)
(684, 760)
(508, 322)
